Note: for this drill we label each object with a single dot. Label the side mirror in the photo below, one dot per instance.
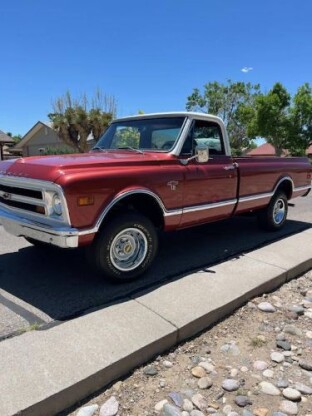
(202, 153)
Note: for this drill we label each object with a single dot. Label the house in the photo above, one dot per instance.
(38, 139)
(267, 149)
(4, 140)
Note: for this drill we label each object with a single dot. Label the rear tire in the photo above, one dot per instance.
(273, 217)
(124, 248)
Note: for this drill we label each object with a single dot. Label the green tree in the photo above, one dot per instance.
(75, 119)
(271, 119)
(234, 102)
(300, 133)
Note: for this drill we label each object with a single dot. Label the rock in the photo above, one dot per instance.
(260, 365)
(233, 372)
(177, 398)
(230, 385)
(204, 383)
(199, 401)
(268, 373)
(110, 407)
(277, 357)
(290, 408)
(198, 372)
(303, 388)
(233, 414)
(282, 383)
(247, 413)
(197, 413)
(278, 414)
(207, 366)
(309, 334)
(167, 364)
(292, 394)
(187, 405)
(242, 401)
(266, 307)
(285, 345)
(305, 365)
(261, 411)
(195, 359)
(269, 388)
(169, 410)
(231, 349)
(117, 386)
(158, 406)
(291, 315)
(308, 314)
(185, 413)
(280, 337)
(227, 409)
(150, 370)
(299, 310)
(88, 410)
(244, 369)
(293, 330)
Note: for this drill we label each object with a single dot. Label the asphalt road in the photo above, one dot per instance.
(42, 286)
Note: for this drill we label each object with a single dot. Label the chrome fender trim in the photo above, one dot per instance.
(123, 195)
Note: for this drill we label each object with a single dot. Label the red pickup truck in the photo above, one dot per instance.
(148, 172)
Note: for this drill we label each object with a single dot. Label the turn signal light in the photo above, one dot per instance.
(40, 210)
(85, 200)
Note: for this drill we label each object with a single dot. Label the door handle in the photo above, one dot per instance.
(231, 167)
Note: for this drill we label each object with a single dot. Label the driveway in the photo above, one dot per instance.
(46, 286)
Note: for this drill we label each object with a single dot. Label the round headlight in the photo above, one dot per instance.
(57, 204)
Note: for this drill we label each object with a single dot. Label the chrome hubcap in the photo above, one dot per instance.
(128, 249)
(279, 211)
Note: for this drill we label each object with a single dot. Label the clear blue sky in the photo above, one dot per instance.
(148, 54)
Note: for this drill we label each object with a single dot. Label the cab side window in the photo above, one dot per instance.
(209, 134)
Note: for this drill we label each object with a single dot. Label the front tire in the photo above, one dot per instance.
(124, 248)
(273, 217)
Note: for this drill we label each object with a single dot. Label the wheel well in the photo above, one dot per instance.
(142, 203)
(286, 187)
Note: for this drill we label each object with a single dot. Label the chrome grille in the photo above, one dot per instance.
(23, 198)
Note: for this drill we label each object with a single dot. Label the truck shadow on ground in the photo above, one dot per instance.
(59, 282)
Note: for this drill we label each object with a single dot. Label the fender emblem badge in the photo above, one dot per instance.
(173, 185)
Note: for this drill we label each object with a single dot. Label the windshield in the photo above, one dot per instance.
(157, 134)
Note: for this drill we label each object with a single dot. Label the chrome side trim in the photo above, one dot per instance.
(209, 206)
(255, 197)
(302, 188)
(267, 194)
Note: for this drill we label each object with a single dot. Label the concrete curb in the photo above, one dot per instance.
(44, 372)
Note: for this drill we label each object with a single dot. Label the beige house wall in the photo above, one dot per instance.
(42, 140)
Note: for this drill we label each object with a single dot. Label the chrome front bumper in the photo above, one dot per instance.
(65, 237)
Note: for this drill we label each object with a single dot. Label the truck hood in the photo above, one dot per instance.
(50, 168)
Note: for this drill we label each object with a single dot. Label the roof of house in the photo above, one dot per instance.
(4, 138)
(267, 149)
(28, 136)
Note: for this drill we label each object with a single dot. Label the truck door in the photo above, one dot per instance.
(210, 189)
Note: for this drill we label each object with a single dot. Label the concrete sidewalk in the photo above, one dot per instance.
(44, 372)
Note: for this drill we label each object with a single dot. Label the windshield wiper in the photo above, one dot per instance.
(130, 148)
(100, 149)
